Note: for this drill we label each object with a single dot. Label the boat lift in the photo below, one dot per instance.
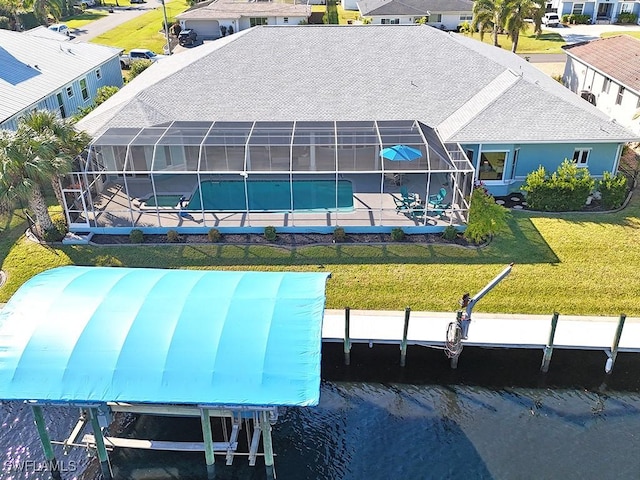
(458, 330)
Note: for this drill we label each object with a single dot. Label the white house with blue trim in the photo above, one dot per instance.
(600, 11)
(49, 73)
(292, 104)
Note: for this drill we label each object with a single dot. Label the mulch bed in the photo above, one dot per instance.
(283, 239)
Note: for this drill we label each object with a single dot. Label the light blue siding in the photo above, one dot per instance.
(111, 75)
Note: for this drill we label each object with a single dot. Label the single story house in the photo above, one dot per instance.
(605, 72)
(45, 72)
(600, 11)
(283, 126)
(445, 14)
(211, 19)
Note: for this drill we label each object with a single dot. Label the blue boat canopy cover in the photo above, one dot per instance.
(100, 334)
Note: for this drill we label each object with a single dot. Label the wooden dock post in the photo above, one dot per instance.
(103, 456)
(46, 442)
(548, 350)
(267, 445)
(403, 344)
(347, 340)
(608, 368)
(209, 456)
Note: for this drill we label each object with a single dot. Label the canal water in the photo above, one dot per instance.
(495, 417)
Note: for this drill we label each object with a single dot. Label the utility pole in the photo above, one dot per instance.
(166, 26)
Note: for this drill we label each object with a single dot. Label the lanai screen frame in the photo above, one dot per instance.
(285, 150)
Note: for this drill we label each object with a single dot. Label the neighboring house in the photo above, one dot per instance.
(51, 73)
(606, 72)
(446, 14)
(44, 32)
(600, 11)
(293, 104)
(208, 17)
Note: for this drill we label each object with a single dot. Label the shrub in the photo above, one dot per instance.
(172, 236)
(566, 189)
(576, 19)
(108, 261)
(397, 235)
(339, 235)
(613, 189)
(52, 235)
(214, 235)
(137, 67)
(486, 217)
(450, 233)
(270, 233)
(628, 18)
(59, 230)
(136, 236)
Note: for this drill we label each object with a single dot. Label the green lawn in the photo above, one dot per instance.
(144, 31)
(547, 42)
(345, 15)
(572, 263)
(88, 16)
(633, 33)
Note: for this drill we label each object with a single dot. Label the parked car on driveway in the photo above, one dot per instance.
(60, 28)
(187, 38)
(138, 54)
(551, 19)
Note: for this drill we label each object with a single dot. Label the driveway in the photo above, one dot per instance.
(583, 33)
(119, 16)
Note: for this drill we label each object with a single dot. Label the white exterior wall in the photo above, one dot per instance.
(245, 22)
(579, 77)
(450, 20)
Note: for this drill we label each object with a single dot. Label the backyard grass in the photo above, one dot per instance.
(144, 31)
(572, 263)
(345, 15)
(547, 42)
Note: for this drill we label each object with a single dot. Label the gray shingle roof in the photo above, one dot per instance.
(354, 73)
(413, 7)
(33, 67)
(244, 8)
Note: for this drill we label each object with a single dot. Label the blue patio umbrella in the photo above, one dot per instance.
(400, 153)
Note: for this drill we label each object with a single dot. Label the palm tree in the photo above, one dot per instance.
(489, 15)
(516, 13)
(41, 150)
(43, 8)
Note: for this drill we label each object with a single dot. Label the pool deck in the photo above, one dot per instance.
(114, 208)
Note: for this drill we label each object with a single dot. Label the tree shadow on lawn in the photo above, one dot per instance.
(520, 243)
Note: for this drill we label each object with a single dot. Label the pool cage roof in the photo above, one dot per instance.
(206, 146)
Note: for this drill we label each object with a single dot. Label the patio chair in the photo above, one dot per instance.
(437, 199)
(409, 198)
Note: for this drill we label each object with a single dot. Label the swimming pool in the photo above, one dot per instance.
(273, 195)
(162, 201)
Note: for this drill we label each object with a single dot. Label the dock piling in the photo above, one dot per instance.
(268, 445)
(347, 340)
(403, 344)
(46, 442)
(205, 420)
(548, 350)
(608, 368)
(103, 456)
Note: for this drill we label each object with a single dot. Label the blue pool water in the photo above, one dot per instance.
(273, 195)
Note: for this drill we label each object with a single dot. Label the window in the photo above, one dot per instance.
(390, 21)
(581, 156)
(620, 95)
(285, 19)
(466, 18)
(492, 165)
(255, 21)
(98, 74)
(626, 8)
(69, 91)
(606, 85)
(84, 90)
(577, 8)
(436, 17)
